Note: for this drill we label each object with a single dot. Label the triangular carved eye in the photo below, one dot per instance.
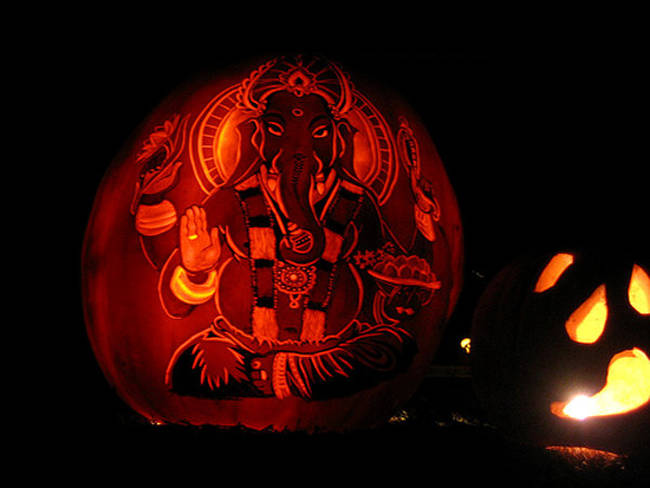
(552, 272)
(638, 292)
(587, 322)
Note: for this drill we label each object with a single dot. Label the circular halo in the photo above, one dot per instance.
(214, 144)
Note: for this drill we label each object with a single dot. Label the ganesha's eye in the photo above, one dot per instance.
(639, 290)
(273, 127)
(320, 131)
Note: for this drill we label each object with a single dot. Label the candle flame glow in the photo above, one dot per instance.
(627, 388)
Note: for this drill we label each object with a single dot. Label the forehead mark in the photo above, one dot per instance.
(297, 112)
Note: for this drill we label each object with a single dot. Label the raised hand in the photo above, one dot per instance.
(200, 249)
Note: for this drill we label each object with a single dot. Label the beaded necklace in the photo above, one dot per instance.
(297, 295)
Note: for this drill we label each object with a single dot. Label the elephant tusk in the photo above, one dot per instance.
(269, 179)
(272, 183)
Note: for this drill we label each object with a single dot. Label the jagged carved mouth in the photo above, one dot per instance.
(627, 388)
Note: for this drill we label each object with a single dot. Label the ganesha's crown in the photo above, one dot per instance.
(300, 77)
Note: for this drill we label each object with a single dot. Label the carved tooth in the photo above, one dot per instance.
(320, 188)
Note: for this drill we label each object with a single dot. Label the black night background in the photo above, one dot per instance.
(544, 146)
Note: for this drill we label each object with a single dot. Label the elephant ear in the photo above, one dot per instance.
(345, 133)
(249, 153)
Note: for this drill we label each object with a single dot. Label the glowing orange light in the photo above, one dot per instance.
(583, 455)
(587, 322)
(639, 290)
(552, 272)
(580, 407)
(627, 388)
(192, 293)
(466, 344)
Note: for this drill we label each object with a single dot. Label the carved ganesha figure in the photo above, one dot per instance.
(308, 285)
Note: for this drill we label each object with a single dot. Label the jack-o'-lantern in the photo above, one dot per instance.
(561, 347)
(278, 247)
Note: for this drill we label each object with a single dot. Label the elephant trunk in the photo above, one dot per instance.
(305, 239)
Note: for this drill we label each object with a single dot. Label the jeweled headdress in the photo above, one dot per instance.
(299, 77)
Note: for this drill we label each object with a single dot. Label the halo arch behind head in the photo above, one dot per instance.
(215, 143)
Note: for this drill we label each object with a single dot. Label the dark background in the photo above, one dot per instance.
(543, 143)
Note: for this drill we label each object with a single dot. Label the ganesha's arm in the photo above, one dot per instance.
(180, 291)
(192, 277)
(193, 289)
(156, 225)
(374, 355)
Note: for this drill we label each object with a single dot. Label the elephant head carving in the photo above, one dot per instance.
(298, 140)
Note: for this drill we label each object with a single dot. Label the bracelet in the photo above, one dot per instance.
(189, 292)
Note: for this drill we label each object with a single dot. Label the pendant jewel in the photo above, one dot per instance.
(295, 281)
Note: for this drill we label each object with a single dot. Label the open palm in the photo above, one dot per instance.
(200, 249)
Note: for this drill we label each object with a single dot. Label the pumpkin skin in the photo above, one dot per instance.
(524, 361)
(333, 245)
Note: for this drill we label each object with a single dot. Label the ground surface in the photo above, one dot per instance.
(440, 434)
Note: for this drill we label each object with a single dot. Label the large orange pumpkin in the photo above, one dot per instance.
(277, 247)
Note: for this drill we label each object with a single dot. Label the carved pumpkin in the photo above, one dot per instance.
(560, 348)
(277, 247)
